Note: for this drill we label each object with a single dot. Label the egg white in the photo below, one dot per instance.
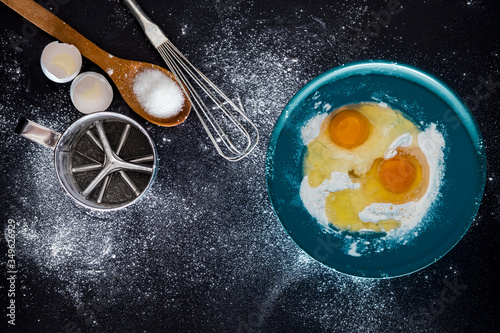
(432, 144)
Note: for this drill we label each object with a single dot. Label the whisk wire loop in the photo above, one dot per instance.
(194, 81)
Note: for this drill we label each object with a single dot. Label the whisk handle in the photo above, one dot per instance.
(152, 31)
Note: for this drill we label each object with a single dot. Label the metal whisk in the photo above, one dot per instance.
(232, 133)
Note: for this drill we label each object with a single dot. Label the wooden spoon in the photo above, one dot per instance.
(121, 71)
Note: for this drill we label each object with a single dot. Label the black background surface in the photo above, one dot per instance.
(204, 252)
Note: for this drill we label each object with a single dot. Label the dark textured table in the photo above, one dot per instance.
(203, 251)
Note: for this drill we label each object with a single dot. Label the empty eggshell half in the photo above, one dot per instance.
(91, 92)
(61, 62)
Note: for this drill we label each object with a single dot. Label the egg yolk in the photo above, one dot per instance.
(398, 180)
(349, 129)
(397, 174)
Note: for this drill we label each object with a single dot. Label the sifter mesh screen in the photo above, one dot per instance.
(87, 160)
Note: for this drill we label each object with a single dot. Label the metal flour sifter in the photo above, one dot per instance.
(232, 133)
(104, 161)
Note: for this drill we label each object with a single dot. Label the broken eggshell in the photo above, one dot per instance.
(61, 62)
(91, 92)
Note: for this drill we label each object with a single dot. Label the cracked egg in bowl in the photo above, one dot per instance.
(368, 168)
(376, 169)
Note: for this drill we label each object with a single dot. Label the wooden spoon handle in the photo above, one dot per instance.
(55, 27)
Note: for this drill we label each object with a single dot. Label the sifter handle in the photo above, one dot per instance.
(37, 133)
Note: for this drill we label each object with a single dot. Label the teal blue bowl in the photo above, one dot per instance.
(425, 100)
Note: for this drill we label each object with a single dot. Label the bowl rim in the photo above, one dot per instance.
(394, 69)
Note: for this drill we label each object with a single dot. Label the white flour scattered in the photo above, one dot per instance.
(244, 276)
(311, 129)
(403, 141)
(352, 250)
